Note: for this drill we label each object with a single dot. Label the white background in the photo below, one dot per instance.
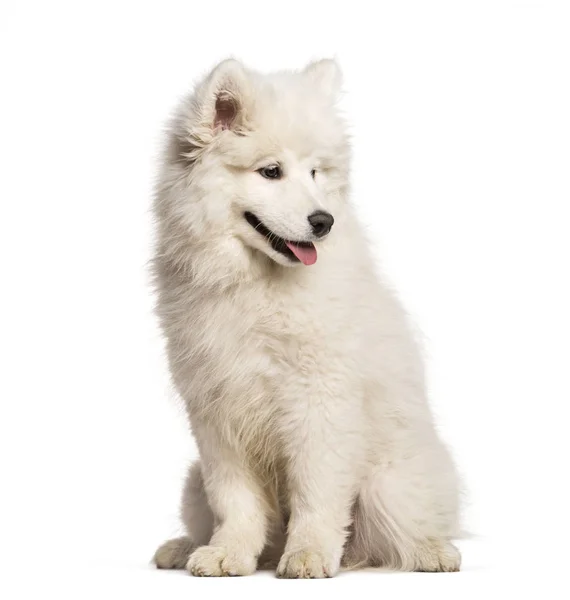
(461, 131)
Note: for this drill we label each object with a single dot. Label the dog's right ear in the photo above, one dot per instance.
(221, 101)
(222, 98)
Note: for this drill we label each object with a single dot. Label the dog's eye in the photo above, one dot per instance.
(271, 172)
(314, 173)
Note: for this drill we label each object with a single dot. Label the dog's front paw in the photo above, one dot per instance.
(305, 564)
(215, 561)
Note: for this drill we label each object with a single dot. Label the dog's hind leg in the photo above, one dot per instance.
(404, 519)
(198, 521)
(174, 553)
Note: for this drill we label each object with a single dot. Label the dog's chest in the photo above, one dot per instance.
(237, 351)
(238, 357)
(255, 330)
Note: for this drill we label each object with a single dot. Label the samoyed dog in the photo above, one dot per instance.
(297, 365)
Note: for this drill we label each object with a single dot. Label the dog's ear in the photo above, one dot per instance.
(221, 101)
(326, 75)
(222, 98)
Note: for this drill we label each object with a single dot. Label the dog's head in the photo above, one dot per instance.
(257, 167)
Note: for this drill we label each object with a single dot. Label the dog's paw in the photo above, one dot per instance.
(438, 557)
(305, 564)
(215, 561)
(173, 554)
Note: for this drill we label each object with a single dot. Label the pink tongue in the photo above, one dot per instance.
(306, 254)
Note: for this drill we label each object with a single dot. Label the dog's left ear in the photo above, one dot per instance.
(326, 74)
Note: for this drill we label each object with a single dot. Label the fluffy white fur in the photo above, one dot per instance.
(303, 384)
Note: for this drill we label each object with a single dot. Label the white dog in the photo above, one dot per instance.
(297, 365)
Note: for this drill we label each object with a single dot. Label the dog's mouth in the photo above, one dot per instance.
(304, 252)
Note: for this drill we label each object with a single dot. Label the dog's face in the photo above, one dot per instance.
(258, 164)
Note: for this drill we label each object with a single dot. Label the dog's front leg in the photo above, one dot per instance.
(240, 514)
(324, 447)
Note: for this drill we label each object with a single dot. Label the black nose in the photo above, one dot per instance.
(321, 222)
